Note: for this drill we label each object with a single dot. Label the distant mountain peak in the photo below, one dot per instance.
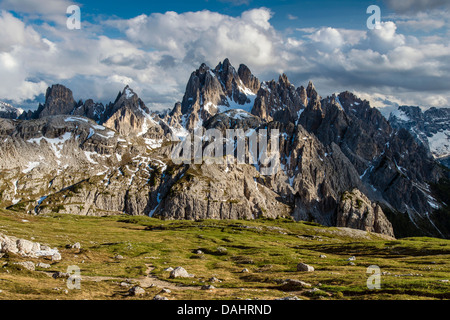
(9, 112)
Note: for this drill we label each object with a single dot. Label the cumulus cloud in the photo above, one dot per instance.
(196, 36)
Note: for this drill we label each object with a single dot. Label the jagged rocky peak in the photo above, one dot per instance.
(311, 92)
(280, 101)
(210, 91)
(58, 100)
(250, 81)
(130, 116)
(90, 109)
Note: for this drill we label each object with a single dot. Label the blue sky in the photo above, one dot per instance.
(309, 13)
(153, 46)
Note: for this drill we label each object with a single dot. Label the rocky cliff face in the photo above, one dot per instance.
(358, 212)
(341, 163)
(431, 128)
(281, 101)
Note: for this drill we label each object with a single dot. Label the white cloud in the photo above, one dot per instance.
(196, 36)
(424, 24)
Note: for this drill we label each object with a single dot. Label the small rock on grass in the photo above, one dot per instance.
(214, 280)
(245, 271)
(180, 272)
(56, 257)
(125, 284)
(137, 291)
(293, 284)
(304, 267)
(75, 246)
(43, 265)
(60, 275)
(160, 298)
(208, 287)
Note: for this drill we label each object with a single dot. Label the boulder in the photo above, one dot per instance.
(304, 267)
(208, 287)
(26, 265)
(137, 291)
(293, 284)
(43, 265)
(56, 257)
(180, 272)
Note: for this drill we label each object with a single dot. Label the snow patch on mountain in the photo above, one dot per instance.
(440, 144)
(400, 115)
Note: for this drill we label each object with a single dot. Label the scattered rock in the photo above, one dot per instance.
(27, 265)
(304, 267)
(322, 256)
(352, 258)
(318, 292)
(180, 272)
(24, 247)
(245, 271)
(118, 257)
(222, 250)
(199, 252)
(75, 246)
(208, 287)
(214, 280)
(43, 265)
(170, 269)
(60, 275)
(137, 291)
(165, 291)
(351, 263)
(292, 284)
(160, 298)
(125, 284)
(56, 256)
(288, 298)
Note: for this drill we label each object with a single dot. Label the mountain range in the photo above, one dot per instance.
(341, 162)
